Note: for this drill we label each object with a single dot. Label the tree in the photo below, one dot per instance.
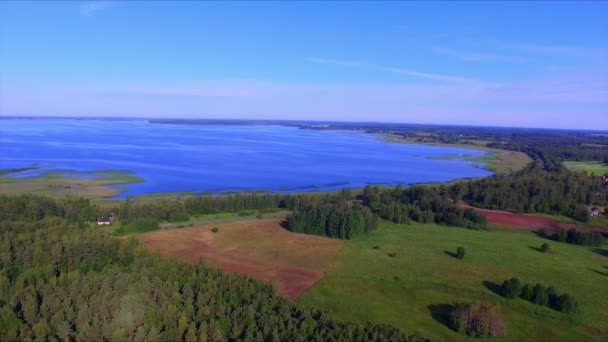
(460, 252)
(511, 288)
(540, 296)
(527, 293)
(582, 213)
(566, 303)
(544, 247)
(479, 320)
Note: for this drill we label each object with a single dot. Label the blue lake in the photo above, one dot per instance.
(174, 157)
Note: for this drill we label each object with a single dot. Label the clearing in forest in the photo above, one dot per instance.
(597, 168)
(533, 221)
(261, 248)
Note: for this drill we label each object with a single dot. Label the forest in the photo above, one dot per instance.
(537, 191)
(60, 281)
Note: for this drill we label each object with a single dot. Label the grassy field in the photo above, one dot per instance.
(597, 168)
(499, 161)
(368, 284)
(92, 185)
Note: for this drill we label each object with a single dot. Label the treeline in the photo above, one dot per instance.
(344, 220)
(61, 282)
(345, 215)
(552, 148)
(548, 148)
(538, 294)
(421, 204)
(181, 210)
(558, 193)
(576, 237)
(28, 207)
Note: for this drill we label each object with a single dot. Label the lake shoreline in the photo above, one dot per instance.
(209, 159)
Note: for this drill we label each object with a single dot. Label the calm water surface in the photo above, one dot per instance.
(217, 158)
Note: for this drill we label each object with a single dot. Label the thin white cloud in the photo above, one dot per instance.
(335, 62)
(395, 70)
(576, 100)
(561, 50)
(472, 56)
(93, 7)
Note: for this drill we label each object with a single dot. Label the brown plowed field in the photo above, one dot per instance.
(259, 248)
(530, 221)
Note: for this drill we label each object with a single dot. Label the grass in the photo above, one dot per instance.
(599, 221)
(596, 168)
(368, 284)
(242, 213)
(497, 160)
(92, 185)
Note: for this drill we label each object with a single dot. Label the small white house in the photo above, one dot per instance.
(101, 221)
(595, 211)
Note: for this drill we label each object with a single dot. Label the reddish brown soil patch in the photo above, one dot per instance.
(259, 248)
(530, 221)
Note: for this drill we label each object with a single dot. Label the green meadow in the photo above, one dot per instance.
(596, 168)
(497, 160)
(91, 185)
(401, 274)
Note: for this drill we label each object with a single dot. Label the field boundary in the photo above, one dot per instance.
(222, 220)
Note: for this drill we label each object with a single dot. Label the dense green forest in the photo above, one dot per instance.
(420, 203)
(59, 281)
(338, 220)
(537, 191)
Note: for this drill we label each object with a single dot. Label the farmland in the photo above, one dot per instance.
(400, 273)
(260, 248)
(505, 219)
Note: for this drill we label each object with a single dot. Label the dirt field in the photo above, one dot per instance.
(530, 221)
(259, 248)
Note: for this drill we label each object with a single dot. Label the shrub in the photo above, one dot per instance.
(214, 230)
(541, 295)
(460, 252)
(538, 295)
(246, 212)
(376, 247)
(579, 238)
(562, 235)
(544, 248)
(511, 288)
(566, 303)
(178, 217)
(527, 293)
(137, 226)
(478, 320)
(392, 254)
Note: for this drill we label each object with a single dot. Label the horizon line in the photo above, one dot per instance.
(117, 118)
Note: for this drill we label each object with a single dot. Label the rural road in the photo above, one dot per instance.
(229, 219)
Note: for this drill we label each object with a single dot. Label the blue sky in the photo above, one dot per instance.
(530, 64)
